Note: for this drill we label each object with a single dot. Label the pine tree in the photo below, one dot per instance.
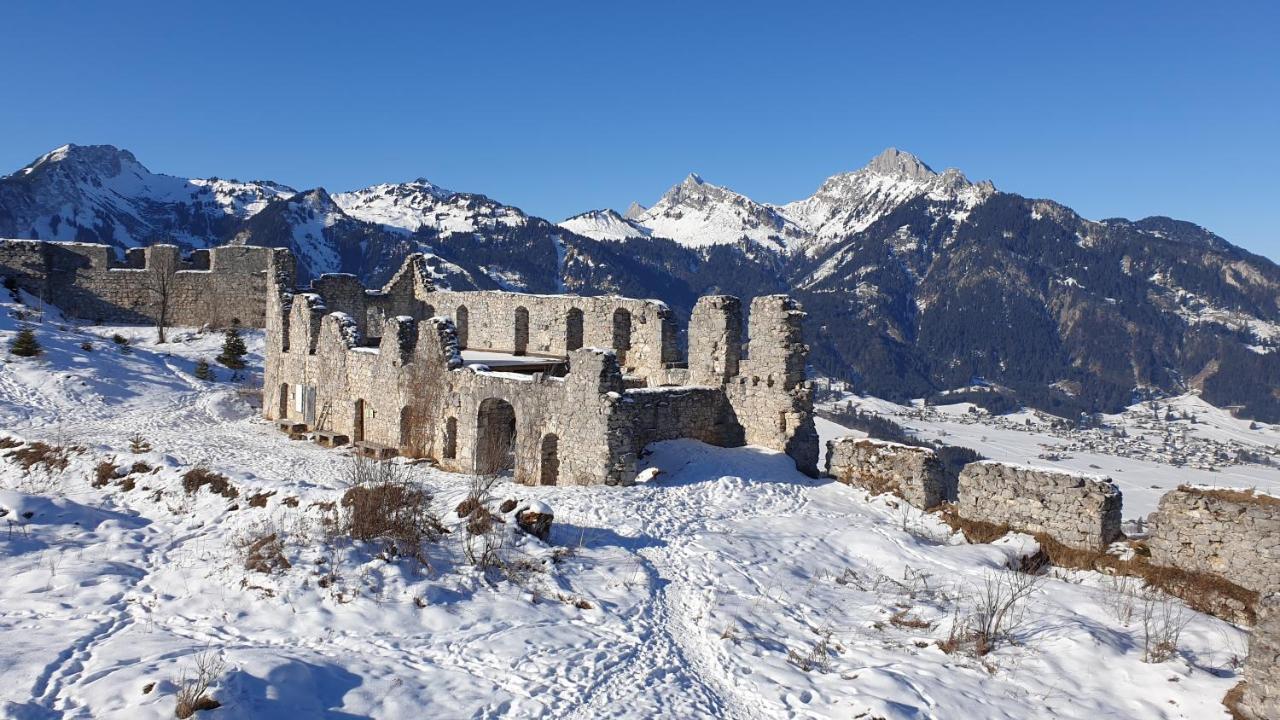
(26, 344)
(233, 349)
(203, 371)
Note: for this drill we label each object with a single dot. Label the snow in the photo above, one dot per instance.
(604, 225)
(679, 597)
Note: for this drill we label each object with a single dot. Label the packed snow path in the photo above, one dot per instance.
(701, 592)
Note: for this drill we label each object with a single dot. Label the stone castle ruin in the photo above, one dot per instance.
(558, 389)
(214, 287)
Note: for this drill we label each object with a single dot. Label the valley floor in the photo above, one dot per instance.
(727, 586)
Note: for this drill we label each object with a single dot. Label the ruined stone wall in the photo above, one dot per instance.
(385, 367)
(1076, 510)
(1231, 534)
(914, 473)
(771, 395)
(214, 287)
(1261, 697)
(642, 332)
(411, 392)
(669, 413)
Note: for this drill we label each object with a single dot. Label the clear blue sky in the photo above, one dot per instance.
(1114, 108)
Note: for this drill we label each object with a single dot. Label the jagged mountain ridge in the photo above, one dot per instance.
(915, 281)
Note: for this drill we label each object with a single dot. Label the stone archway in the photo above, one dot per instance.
(521, 341)
(495, 449)
(461, 319)
(549, 467)
(573, 329)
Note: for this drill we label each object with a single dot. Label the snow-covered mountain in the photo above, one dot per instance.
(915, 281)
(849, 203)
(605, 225)
(696, 213)
(99, 193)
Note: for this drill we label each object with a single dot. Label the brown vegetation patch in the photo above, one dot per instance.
(140, 467)
(382, 505)
(103, 473)
(7, 443)
(1246, 497)
(197, 478)
(904, 619)
(52, 457)
(291, 501)
(1202, 592)
(259, 500)
(976, 531)
(266, 555)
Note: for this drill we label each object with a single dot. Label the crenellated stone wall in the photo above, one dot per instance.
(914, 473)
(385, 366)
(1260, 699)
(1230, 533)
(211, 287)
(1080, 511)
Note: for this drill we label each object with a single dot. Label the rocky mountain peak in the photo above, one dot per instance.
(896, 163)
(634, 210)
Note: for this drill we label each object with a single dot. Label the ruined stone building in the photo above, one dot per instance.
(84, 280)
(560, 389)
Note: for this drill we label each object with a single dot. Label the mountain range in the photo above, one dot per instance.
(918, 283)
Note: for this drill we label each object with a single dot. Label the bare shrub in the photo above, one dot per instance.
(383, 505)
(989, 615)
(1163, 620)
(818, 656)
(193, 687)
(199, 477)
(265, 554)
(43, 455)
(1121, 595)
(103, 473)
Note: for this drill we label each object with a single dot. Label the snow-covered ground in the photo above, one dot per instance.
(699, 593)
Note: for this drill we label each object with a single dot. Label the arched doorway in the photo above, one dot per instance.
(461, 318)
(573, 329)
(622, 333)
(521, 343)
(495, 437)
(284, 401)
(549, 468)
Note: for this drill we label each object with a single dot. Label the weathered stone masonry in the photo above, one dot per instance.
(1261, 697)
(210, 287)
(1076, 510)
(915, 473)
(385, 367)
(1228, 534)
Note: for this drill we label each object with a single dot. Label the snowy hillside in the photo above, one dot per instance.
(605, 225)
(419, 205)
(727, 585)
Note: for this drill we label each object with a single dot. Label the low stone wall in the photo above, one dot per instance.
(1261, 697)
(914, 473)
(1080, 511)
(1232, 534)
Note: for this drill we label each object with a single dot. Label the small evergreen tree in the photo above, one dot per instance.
(233, 349)
(26, 344)
(203, 371)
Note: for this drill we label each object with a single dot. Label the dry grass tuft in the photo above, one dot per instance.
(198, 477)
(7, 443)
(193, 688)
(51, 457)
(975, 531)
(1245, 497)
(103, 473)
(1202, 592)
(265, 554)
(259, 500)
(383, 505)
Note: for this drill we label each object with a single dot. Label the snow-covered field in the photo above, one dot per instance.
(705, 592)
